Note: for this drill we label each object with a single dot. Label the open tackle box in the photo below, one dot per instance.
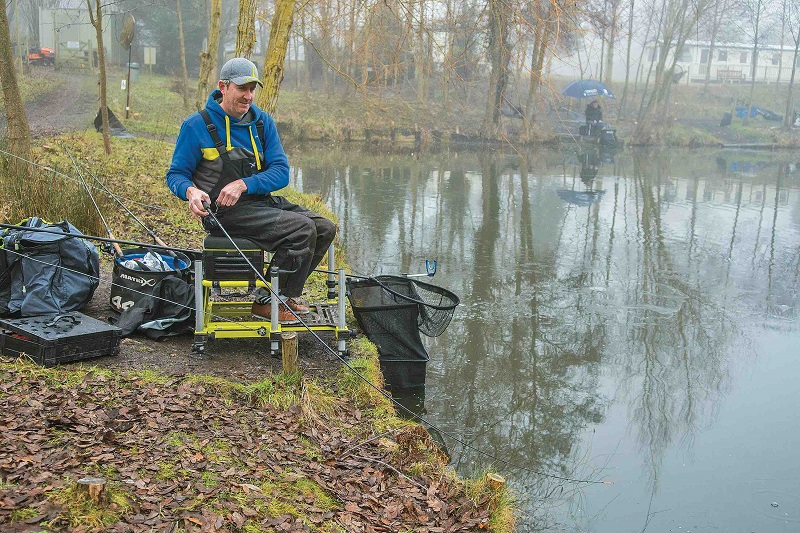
(53, 339)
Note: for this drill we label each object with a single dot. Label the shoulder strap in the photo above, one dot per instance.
(212, 130)
(261, 135)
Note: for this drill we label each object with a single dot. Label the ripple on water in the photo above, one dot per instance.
(763, 502)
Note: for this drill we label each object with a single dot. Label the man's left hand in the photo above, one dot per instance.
(230, 194)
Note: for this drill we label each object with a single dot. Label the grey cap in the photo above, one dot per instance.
(240, 71)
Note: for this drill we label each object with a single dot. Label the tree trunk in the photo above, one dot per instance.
(612, 41)
(18, 137)
(96, 19)
(499, 55)
(184, 72)
(419, 56)
(755, 62)
(246, 30)
(276, 55)
(627, 62)
(789, 99)
(783, 36)
(208, 57)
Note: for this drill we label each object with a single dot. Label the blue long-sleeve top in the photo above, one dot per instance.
(196, 161)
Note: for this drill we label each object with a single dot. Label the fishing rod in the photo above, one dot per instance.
(116, 198)
(117, 250)
(190, 253)
(420, 419)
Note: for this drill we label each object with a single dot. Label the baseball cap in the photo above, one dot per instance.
(240, 71)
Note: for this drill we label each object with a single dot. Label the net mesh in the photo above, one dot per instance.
(395, 296)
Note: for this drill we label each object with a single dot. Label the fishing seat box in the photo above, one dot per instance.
(222, 262)
(53, 339)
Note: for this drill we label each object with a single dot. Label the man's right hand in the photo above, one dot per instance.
(196, 199)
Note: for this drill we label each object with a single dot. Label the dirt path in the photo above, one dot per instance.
(72, 105)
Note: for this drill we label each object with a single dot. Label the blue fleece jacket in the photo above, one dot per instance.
(194, 141)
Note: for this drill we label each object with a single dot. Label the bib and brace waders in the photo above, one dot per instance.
(298, 237)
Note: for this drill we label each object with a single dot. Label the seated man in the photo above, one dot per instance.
(594, 115)
(229, 155)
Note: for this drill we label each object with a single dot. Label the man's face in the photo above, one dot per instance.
(237, 99)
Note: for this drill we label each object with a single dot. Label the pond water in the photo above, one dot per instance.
(629, 317)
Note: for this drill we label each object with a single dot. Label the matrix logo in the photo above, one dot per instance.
(141, 281)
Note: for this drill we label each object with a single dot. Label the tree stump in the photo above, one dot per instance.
(289, 357)
(94, 487)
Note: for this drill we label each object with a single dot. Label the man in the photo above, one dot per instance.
(229, 155)
(594, 114)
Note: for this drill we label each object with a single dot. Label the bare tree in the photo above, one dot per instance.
(793, 21)
(678, 21)
(499, 57)
(96, 18)
(184, 71)
(208, 57)
(276, 54)
(18, 137)
(246, 30)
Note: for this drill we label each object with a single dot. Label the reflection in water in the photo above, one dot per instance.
(640, 300)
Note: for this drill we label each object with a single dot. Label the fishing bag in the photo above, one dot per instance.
(46, 273)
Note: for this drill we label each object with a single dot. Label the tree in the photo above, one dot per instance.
(96, 18)
(678, 20)
(276, 54)
(793, 21)
(19, 139)
(499, 58)
(184, 71)
(246, 29)
(208, 57)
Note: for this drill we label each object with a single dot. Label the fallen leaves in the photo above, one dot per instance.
(189, 458)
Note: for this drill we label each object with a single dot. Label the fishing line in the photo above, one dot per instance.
(382, 392)
(115, 246)
(65, 176)
(112, 284)
(116, 198)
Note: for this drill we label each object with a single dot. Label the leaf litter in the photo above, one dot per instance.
(186, 457)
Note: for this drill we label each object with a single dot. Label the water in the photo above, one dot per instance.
(628, 317)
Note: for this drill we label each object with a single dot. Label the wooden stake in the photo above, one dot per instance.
(94, 487)
(496, 481)
(291, 363)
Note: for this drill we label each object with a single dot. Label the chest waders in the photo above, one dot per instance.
(232, 168)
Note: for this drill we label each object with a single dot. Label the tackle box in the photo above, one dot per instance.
(53, 339)
(223, 262)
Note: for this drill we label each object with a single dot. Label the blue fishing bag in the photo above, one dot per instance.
(46, 273)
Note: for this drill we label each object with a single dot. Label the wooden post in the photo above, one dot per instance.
(289, 357)
(94, 487)
(496, 481)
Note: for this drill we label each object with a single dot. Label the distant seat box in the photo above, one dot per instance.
(53, 339)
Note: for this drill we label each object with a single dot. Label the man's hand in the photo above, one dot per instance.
(230, 194)
(196, 199)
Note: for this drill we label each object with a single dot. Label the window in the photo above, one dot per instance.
(686, 56)
(776, 58)
(743, 57)
(704, 56)
(722, 55)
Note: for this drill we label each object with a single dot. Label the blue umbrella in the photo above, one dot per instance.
(587, 89)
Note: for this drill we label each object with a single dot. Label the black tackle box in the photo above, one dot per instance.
(53, 339)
